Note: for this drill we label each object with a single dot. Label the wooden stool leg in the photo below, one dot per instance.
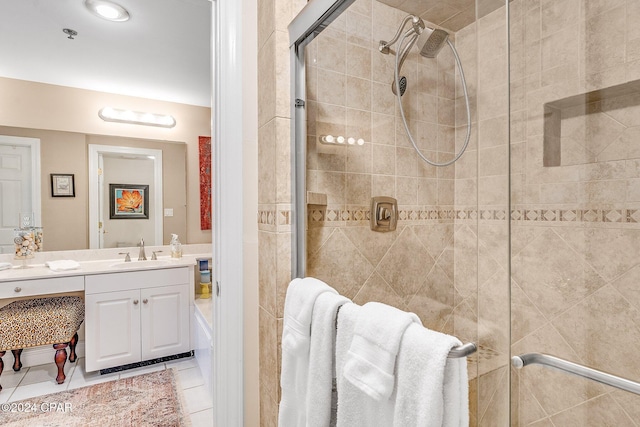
(72, 348)
(61, 359)
(1, 365)
(17, 364)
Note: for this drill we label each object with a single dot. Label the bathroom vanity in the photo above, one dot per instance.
(136, 316)
(134, 312)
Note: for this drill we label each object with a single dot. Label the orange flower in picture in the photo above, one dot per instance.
(130, 201)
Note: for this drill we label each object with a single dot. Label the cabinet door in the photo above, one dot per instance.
(165, 321)
(112, 328)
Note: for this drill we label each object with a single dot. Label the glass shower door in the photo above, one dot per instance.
(575, 194)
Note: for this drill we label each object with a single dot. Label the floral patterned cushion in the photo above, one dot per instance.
(40, 321)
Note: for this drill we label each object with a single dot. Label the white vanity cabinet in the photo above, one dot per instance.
(136, 316)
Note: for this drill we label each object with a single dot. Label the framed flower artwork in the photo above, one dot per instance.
(128, 201)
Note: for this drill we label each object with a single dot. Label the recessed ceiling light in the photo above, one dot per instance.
(107, 10)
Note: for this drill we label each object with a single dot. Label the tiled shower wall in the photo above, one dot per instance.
(448, 259)
(274, 196)
(452, 229)
(575, 230)
(349, 93)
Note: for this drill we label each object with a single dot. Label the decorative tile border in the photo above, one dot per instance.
(274, 217)
(426, 214)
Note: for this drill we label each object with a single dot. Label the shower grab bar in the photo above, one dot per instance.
(462, 350)
(575, 369)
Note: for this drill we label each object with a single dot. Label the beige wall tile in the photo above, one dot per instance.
(267, 268)
(268, 359)
(282, 75)
(597, 412)
(558, 15)
(341, 265)
(629, 402)
(552, 275)
(359, 158)
(267, 81)
(283, 160)
(383, 159)
(604, 51)
(493, 398)
(405, 274)
(376, 289)
(331, 87)
(267, 155)
(407, 190)
(588, 323)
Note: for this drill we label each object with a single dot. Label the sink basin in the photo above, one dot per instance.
(140, 264)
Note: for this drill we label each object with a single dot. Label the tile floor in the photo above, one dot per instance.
(39, 380)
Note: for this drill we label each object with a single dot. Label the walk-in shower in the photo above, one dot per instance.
(527, 245)
(429, 42)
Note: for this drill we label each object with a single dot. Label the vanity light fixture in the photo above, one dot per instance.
(109, 114)
(107, 10)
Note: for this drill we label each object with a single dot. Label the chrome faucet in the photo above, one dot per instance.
(141, 255)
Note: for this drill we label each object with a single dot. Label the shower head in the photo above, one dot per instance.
(431, 41)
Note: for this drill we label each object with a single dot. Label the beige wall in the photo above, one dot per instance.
(47, 107)
(575, 231)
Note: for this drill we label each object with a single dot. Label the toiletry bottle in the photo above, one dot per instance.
(176, 247)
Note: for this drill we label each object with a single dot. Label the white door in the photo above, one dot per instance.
(101, 203)
(96, 234)
(112, 321)
(165, 321)
(19, 184)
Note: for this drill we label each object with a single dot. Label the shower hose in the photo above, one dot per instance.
(466, 99)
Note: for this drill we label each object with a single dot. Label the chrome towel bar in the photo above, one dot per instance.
(575, 369)
(462, 351)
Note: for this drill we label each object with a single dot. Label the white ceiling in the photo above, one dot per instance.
(162, 52)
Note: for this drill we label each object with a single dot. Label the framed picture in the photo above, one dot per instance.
(62, 185)
(128, 201)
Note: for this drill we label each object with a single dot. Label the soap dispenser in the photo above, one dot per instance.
(176, 247)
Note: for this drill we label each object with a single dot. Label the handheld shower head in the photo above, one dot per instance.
(431, 41)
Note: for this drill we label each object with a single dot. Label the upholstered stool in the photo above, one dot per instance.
(41, 321)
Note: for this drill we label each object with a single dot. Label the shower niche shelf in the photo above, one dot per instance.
(594, 126)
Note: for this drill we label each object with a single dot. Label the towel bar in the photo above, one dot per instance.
(575, 369)
(462, 351)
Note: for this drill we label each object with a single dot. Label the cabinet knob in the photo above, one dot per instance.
(135, 302)
(145, 300)
(18, 289)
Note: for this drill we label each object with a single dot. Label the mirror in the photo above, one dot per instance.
(38, 103)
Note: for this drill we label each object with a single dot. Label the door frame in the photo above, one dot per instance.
(95, 151)
(36, 184)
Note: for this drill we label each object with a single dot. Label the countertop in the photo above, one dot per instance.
(98, 266)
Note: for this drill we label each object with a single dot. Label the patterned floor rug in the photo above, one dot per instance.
(147, 400)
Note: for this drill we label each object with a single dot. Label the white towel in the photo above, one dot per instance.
(432, 391)
(62, 265)
(321, 359)
(371, 359)
(296, 341)
(355, 408)
(5, 265)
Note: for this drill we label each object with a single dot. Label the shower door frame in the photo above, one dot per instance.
(310, 22)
